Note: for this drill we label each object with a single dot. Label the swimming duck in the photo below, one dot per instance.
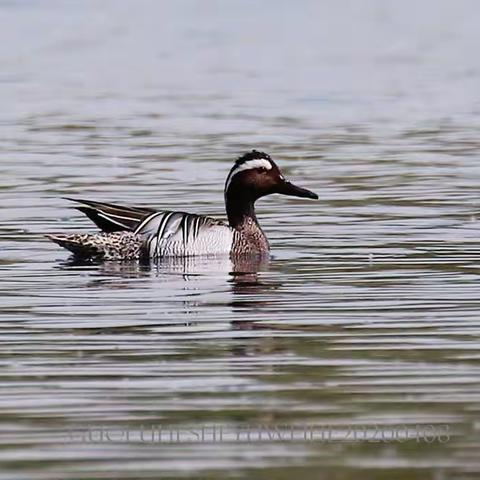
(139, 232)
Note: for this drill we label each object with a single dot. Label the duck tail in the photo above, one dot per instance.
(82, 245)
(110, 246)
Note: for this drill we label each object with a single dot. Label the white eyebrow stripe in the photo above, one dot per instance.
(257, 163)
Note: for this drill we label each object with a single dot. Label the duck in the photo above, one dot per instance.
(132, 232)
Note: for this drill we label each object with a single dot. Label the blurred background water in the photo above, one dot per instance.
(364, 325)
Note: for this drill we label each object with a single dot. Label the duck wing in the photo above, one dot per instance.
(110, 217)
(184, 234)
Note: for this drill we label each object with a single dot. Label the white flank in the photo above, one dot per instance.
(211, 240)
(257, 163)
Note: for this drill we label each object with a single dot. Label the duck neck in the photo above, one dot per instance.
(241, 217)
(240, 209)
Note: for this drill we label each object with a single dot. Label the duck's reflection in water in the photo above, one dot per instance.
(243, 270)
(241, 273)
(191, 287)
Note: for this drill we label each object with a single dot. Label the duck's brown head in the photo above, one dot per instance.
(255, 175)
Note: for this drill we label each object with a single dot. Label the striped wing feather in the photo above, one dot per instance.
(166, 233)
(110, 217)
(179, 233)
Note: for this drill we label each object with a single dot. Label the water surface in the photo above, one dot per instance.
(358, 343)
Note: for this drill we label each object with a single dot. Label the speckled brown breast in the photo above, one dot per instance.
(250, 239)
